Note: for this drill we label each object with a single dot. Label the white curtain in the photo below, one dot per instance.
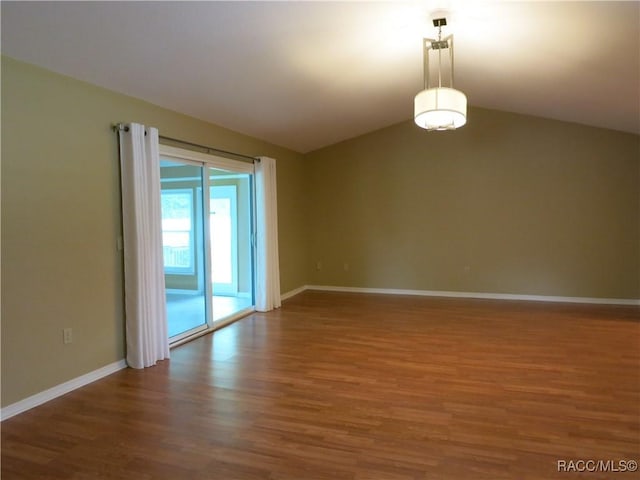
(145, 309)
(267, 262)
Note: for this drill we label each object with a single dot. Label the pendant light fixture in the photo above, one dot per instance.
(439, 107)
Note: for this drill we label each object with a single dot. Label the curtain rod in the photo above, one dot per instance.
(121, 126)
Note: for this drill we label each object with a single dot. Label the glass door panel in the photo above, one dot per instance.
(182, 228)
(231, 252)
(223, 225)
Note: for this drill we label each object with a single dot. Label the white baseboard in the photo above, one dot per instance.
(294, 292)
(59, 390)
(491, 296)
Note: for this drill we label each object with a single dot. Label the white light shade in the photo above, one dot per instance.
(440, 108)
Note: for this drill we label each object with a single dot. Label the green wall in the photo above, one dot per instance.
(508, 204)
(60, 221)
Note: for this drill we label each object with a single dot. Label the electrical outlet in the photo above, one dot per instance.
(318, 265)
(67, 335)
(346, 267)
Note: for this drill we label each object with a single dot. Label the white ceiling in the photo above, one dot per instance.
(308, 74)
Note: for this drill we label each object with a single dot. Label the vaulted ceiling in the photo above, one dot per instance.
(308, 74)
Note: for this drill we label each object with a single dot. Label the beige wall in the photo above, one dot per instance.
(60, 220)
(507, 204)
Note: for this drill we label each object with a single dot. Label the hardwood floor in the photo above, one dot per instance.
(348, 386)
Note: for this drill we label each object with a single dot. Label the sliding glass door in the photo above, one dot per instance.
(182, 245)
(207, 231)
(231, 253)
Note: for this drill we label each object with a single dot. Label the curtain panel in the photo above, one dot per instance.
(267, 260)
(147, 337)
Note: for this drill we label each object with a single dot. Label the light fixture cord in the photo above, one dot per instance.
(439, 57)
(425, 55)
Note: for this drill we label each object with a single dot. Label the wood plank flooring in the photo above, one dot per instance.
(362, 387)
